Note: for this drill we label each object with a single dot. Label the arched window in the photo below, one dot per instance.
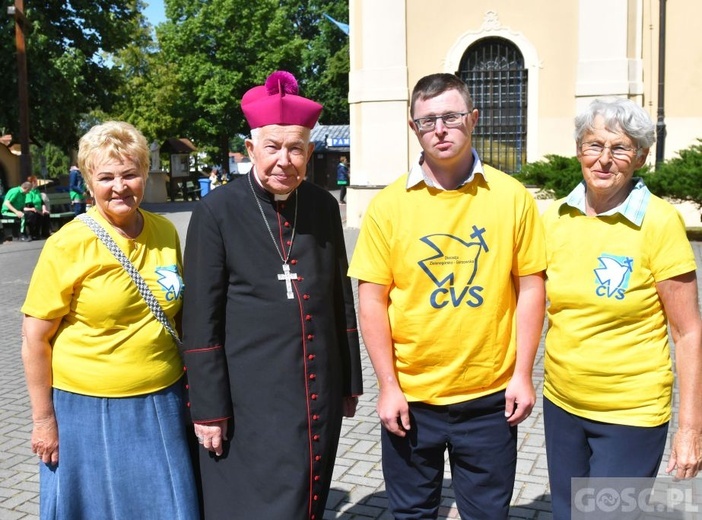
(494, 70)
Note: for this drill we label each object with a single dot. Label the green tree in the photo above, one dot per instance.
(219, 49)
(555, 173)
(150, 95)
(681, 177)
(49, 161)
(69, 45)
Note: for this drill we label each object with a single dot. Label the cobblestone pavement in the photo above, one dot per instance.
(358, 491)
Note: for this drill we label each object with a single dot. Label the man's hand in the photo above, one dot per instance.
(686, 454)
(393, 410)
(212, 436)
(520, 399)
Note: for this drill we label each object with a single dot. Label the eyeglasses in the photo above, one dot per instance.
(450, 120)
(618, 151)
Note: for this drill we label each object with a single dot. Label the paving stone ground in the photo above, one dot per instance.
(358, 491)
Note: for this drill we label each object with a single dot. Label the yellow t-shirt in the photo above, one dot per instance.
(607, 352)
(450, 258)
(108, 343)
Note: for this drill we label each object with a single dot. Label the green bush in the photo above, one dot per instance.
(679, 178)
(556, 174)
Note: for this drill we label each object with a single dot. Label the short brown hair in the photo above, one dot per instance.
(435, 84)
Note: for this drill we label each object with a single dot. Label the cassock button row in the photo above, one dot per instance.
(287, 224)
(313, 377)
(313, 397)
(187, 387)
(308, 317)
(310, 337)
(315, 498)
(300, 278)
(315, 437)
(288, 243)
(317, 458)
(187, 404)
(311, 357)
(305, 296)
(316, 478)
(293, 262)
(315, 417)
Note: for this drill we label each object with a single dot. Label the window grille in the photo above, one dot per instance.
(493, 69)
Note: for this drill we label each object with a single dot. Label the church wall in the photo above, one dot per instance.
(574, 51)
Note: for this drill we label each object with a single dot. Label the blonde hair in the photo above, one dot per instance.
(114, 140)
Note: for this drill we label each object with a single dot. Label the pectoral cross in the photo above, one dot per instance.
(288, 276)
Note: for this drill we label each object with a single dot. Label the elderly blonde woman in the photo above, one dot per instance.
(620, 272)
(103, 374)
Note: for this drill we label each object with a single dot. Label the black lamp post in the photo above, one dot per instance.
(660, 124)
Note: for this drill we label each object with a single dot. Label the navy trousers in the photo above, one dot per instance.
(482, 450)
(577, 447)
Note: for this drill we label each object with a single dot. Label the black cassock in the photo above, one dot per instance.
(277, 368)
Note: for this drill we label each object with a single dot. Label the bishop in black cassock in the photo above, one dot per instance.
(270, 341)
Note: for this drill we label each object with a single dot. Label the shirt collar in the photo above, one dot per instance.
(417, 174)
(633, 208)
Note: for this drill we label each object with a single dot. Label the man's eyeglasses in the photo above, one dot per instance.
(618, 151)
(451, 120)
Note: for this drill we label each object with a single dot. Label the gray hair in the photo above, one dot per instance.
(619, 115)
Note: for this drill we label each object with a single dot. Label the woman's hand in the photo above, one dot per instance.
(686, 454)
(45, 442)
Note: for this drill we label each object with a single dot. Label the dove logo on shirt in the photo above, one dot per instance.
(170, 280)
(612, 276)
(453, 268)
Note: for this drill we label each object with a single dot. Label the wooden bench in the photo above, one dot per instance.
(61, 212)
(12, 224)
(191, 190)
(61, 208)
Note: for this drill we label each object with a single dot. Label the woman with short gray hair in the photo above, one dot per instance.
(620, 272)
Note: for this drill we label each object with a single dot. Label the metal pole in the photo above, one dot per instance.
(23, 86)
(660, 124)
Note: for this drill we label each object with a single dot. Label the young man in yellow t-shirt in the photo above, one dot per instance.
(450, 260)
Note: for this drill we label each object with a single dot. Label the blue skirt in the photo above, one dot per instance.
(120, 458)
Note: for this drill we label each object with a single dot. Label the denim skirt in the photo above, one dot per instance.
(120, 458)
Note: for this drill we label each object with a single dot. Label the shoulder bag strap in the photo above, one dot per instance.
(144, 290)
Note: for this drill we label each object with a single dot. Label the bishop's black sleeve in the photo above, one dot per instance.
(346, 316)
(204, 312)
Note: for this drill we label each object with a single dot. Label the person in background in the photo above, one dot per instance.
(36, 203)
(270, 340)
(343, 176)
(214, 179)
(17, 205)
(77, 189)
(2, 197)
(104, 376)
(450, 262)
(621, 273)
